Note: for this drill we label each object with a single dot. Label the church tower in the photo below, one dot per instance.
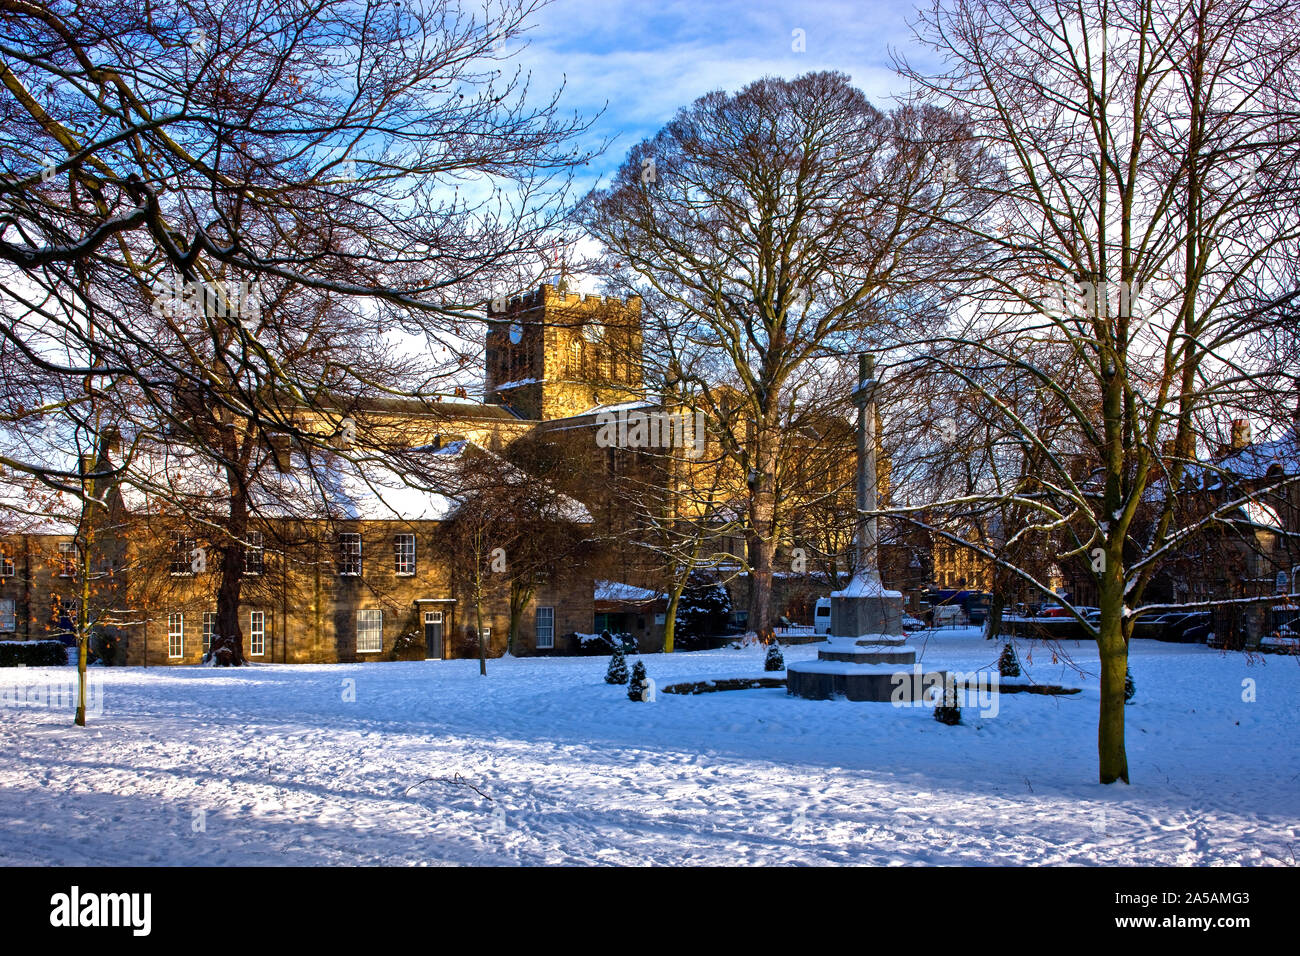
(552, 354)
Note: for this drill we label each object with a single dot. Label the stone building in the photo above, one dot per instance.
(365, 574)
(343, 561)
(366, 571)
(39, 591)
(554, 355)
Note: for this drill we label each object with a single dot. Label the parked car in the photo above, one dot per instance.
(1060, 610)
(1161, 623)
(977, 608)
(1178, 625)
(1173, 626)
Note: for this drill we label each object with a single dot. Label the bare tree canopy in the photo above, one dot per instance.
(1139, 242)
(768, 230)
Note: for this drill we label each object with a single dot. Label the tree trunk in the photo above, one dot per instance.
(670, 617)
(1112, 759)
(83, 632)
(760, 604)
(519, 598)
(85, 565)
(993, 626)
(228, 638)
(478, 620)
(762, 537)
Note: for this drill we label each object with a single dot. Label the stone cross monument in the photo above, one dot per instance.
(864, 397)
(864, 612)
(861, 657)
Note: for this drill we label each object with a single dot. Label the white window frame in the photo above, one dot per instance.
(256, 633)
(183, 544)
(7, 567)
(8, 615)
(67, 559)
(548, 628)
(399, 554)
(256, 546)
(175, 635)
(370, 622)
(209, 627)
(348, 554)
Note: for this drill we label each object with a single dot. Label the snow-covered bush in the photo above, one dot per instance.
(1008, 662)
(775, 660)
(598, 645)
(617, 671)
(407, 645)
(636, 686)
(1130, 688)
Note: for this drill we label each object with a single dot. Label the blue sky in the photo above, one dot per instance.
(648, 59)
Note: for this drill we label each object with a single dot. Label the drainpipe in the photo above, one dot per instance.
(27, 587)
(284, 607)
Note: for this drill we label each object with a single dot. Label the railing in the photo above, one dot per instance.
(795, 630)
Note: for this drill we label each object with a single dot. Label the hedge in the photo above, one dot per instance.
(33, 654)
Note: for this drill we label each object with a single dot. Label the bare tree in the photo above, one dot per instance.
(499, 534)
(373, 152)
(766, 231)
(1145, 213)
(218, 223)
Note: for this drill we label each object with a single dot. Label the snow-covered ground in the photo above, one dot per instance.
(276, 765)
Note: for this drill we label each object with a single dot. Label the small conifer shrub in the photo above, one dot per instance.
(617, 672)
(636, 687)
(1008, 663)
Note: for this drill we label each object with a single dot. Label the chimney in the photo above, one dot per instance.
(1240, 433)
(110, 440)
(280, 446)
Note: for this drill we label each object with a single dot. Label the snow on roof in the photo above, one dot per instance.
(614, 409)
(358, 487)
(1262, 515)
(321, 484)
(517, 383)
(1258, 458)
(367, 490)
(617, 592)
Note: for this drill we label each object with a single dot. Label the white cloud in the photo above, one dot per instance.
(647, 60)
